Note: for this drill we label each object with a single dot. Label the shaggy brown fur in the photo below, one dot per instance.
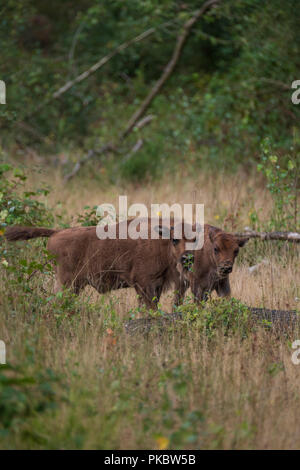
(83, 259)
(212, 264)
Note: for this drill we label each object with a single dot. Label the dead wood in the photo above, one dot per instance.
(277, 319)
(285, 236)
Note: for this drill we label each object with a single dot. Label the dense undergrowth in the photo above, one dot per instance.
(230, 89)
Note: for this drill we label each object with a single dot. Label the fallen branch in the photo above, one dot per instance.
(278, 319)
(285, 236)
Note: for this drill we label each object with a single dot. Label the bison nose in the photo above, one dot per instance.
(228, 270)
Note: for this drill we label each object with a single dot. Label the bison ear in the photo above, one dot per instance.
(162, 230)
(213, 232)
(242, 241)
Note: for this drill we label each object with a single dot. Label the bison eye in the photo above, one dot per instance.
(216, 250)
(175, 241)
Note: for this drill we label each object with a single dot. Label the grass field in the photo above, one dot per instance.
(78, 381)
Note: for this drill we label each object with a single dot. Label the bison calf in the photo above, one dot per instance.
(83, 259)
(208, 269)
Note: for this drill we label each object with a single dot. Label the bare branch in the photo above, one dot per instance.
(137, 146)
(91, 70)
(285, 236)
(73, 45)
(101, 62)
(169, 67)
(88, 156)
(278, 83)
(143, 122)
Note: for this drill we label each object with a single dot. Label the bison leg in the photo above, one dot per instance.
(205, 295)
(66, 280)
(223, 287)
(148, 296)
(57, 286)
(180, 290)
(201, 294)
(75, 287)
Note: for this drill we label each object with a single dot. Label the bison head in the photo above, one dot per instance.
(217, 256)
(225, 248)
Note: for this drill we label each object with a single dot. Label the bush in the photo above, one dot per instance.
(18, 206)
(227, 315)
(24, 393)
(283, 182)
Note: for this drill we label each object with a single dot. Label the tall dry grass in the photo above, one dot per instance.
(181, 388)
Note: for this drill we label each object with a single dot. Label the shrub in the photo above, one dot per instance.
(229, 315)
(24, 393)
(282, 175)
(19, 206)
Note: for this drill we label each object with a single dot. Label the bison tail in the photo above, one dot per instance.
(13, 234)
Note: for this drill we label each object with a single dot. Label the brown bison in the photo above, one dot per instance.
(150, 266)
(208, 269)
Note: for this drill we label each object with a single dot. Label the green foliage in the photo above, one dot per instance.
(145, 164)
(20, 271)
(25, 392)
(88, 217)
(282, 175)
(229, 315)
(231, 86)
(183, 428)
(275, 368)
(19, 206)
(66, 306)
